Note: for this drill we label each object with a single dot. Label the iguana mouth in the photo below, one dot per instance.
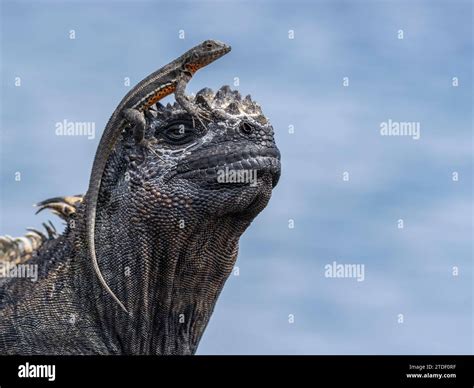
(234, 168)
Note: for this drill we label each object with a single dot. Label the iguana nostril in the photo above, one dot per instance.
(246, 128)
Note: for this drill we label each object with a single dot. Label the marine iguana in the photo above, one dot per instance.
(167, 234)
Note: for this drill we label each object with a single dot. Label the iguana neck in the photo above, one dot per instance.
(170, 288)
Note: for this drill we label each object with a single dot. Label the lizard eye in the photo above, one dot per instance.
(178, 133)
(209, 45)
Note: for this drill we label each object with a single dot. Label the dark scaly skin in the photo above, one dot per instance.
(171, 78)
(167, 236)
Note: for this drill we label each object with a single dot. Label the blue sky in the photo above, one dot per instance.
(298, 82)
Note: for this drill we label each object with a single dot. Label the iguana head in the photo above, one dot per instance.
(215, 168)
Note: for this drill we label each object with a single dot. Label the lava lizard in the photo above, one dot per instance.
(171, 78)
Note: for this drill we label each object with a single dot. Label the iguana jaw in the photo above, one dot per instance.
(235, 168)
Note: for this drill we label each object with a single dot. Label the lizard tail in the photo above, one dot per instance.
(90, 217)
(109, 137)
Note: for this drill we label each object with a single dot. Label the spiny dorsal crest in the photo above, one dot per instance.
(17, 250)
(225, 99)
(63, 207)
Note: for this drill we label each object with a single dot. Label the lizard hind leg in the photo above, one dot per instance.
(138, 121)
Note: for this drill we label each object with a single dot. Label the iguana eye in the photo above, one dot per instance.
(178, 133)
(246, 128)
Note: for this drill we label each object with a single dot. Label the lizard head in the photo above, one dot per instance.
(203, 54)
(222, 168)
